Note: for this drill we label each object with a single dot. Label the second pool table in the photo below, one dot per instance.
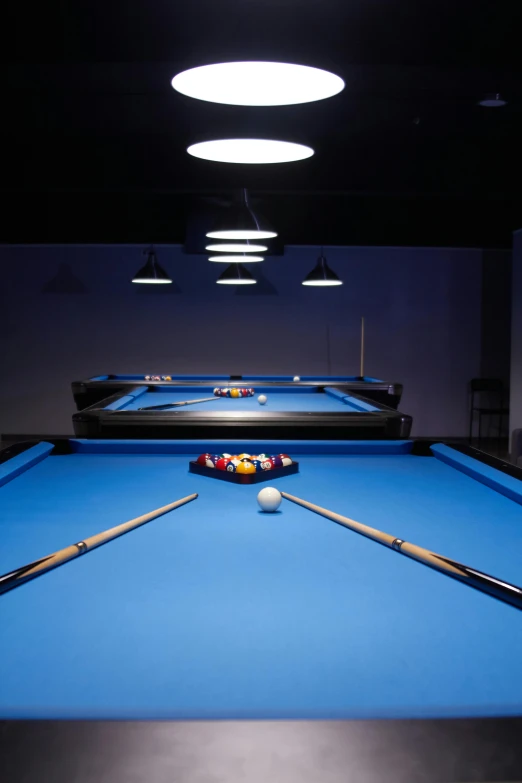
(226, 622)
(291, 411)
(98, 387)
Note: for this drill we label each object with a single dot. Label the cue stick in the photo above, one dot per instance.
(39, 567)
(361, 368)
(504, 591)
(177, 404)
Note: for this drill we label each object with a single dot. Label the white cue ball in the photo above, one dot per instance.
(269, 499)
(262, 399)
(297, 378)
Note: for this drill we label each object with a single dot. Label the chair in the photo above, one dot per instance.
(516, 447)
(487, 398)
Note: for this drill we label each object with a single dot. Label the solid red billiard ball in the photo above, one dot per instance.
(222, 463)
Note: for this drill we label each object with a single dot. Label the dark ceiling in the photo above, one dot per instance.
(94, 138)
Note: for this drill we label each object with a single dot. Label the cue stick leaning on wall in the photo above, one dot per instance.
(504, 591)
(38, 567)
(361, 368)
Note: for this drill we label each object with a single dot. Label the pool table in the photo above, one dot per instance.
(291, 411)
(268, 646)
(98, 387)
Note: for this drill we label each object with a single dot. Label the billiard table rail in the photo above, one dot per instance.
(337, 751)
(104, 420)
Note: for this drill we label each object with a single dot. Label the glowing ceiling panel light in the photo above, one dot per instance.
(258, 83)
(250, 151)
(236, 247)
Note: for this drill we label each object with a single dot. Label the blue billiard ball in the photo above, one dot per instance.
(257, 464)
(231, 466)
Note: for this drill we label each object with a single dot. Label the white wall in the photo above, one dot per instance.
(422, 310)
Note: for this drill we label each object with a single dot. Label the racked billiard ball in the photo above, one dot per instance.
(148, 378)
(277, 462)
(203, 458)
(242, 456)
(231, 466)
(222, 463)
(257, 464)
(234, 393)
(286, 459)
(245, 466)
(266, 464)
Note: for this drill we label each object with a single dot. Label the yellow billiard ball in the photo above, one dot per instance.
(235, 393)
(245, 467)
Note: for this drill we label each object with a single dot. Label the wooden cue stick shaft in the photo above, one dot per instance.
(178, 404)
(361, 373)
(504, 591)
(38, 567)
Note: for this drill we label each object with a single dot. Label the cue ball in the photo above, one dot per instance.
(262, 399)
(297, 378)
(269, 499)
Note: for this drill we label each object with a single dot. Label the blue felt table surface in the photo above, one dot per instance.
(287, 399)
(220, 611)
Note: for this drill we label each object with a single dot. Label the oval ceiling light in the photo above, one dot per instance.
(258, 83)
(236, 274)
(493, 101)
(321, 275)
(250, 151)
(241, 222)
(152, 273)
(241, 258)
(236, 247)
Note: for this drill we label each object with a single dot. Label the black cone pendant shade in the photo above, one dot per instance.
(322, 275)
(241, 222)
(236, 274)
(152, 272)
